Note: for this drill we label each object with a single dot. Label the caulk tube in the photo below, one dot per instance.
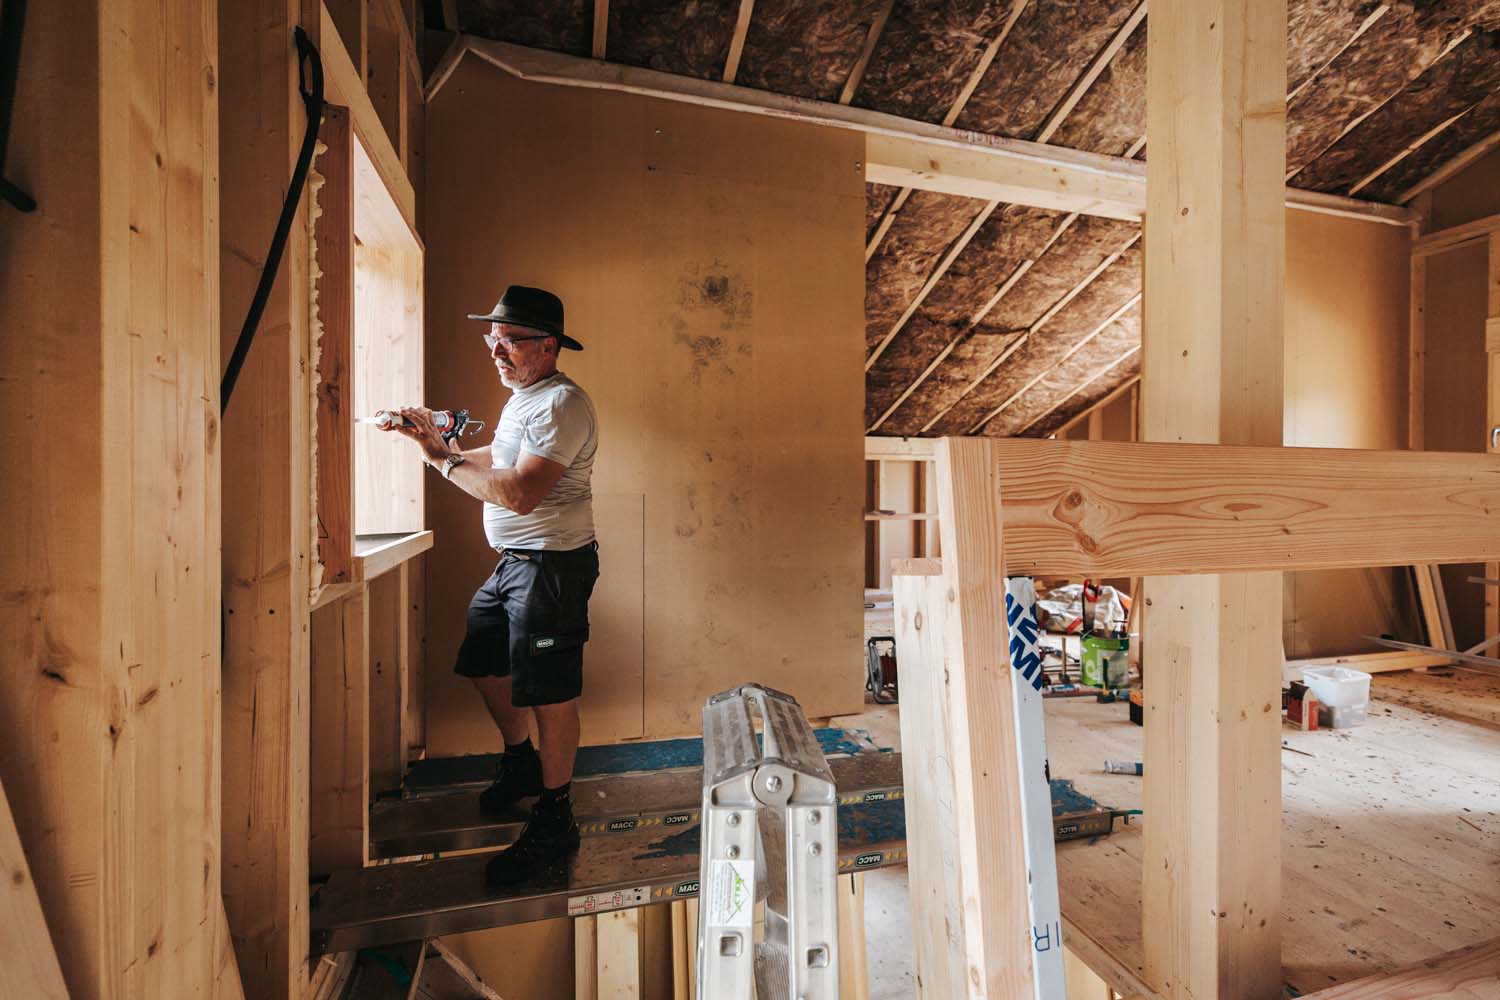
(441, 419)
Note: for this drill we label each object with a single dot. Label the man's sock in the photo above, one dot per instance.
(521, 749)
(557, 800)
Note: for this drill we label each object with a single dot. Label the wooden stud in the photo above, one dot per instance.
(351, 18)
(1128, 386)
(28, 962)
(1212, 334)
(980, 828)
(586, 957)
(333, 290)
(415, 725)
(1454, 237)
(387, 685)
(339, 757)
(267, 517)
(1492, 409)
(1451, 168)
(1374, 663)
(619, 954)
(854, 966)
(737, 40)
(857, 73)
(601, 29)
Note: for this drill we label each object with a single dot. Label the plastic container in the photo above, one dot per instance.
(1338, 687)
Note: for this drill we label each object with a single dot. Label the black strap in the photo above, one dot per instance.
(307, 60)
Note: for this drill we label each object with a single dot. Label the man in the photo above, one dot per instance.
(527, 624)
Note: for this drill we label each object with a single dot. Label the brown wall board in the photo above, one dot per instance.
(926, 54)
(1378, 65)
(805, 48)
(1472, 194)
(1048, 49)
(711, 264)
(687, 37)
(1006, 239)
(1453, 84)
(878, 198)
(1105, 295)
(1111, 116)
(559, 25)
(922, 231)
(1481, 121)
(1064, 376)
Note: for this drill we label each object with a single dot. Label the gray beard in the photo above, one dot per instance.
(510, 382)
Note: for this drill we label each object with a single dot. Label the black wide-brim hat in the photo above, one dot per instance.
(534, 308)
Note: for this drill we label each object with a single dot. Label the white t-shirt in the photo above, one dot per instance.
(554, 419)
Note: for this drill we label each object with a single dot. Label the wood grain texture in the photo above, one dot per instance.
(266, 511)
(1115, 509)
(1213, 335)
(1471, 973)
(339, 754)
(28, 962)
(1048, 48)
(806, 49)
(386, 598)
(333, 295)
(982, 739)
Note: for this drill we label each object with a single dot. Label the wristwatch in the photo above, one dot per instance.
(449, 463)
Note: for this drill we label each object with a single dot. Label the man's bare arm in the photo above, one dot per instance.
(519, 489)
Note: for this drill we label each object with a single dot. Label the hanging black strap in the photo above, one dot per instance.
(307, 62)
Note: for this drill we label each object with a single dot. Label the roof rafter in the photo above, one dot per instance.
(601, 28)
(1104, 401)
(1117, 362)
(737, 40)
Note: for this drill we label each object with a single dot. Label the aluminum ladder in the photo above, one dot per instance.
(770, 833)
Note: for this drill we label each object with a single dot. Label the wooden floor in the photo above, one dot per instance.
(1390, 832)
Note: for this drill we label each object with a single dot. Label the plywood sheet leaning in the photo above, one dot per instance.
(1450, 86)
(1047, 50)
(805, 49)
(687, 37)
(926, 55)
(560, 25)
(921, 232)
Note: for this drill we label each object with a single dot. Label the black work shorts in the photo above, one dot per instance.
(529, 622)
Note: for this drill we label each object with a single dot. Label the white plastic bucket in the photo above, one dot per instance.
(1338, 687)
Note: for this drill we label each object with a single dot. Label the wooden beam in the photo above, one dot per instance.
(963, 789)
(28, 962)
(1374, 663)
(267, 518)
(333, 329)
(601, 29)
(1451, 168)
(737, 40)
(1454, 237)
(339, 756)
(1116, 509)
(375, 555)
(901, 449)
(1407, 150)
(345, 87)
(618, 953)
(1114, 394)
(1468, 972)
(857, 73)
(1212, 336)
(906, 153)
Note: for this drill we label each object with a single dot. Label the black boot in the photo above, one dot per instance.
(519, 777)
(543, 848)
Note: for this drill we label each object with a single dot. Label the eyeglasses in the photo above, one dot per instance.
(509, 343)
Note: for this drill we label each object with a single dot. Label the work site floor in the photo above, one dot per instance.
(1390, 837)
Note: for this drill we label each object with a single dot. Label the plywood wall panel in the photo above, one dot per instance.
(712, 268)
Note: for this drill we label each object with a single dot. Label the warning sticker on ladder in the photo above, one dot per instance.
(729, 896)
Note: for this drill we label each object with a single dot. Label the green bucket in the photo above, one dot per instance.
(1106, 660)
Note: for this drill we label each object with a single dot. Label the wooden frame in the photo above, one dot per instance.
(958, 784)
